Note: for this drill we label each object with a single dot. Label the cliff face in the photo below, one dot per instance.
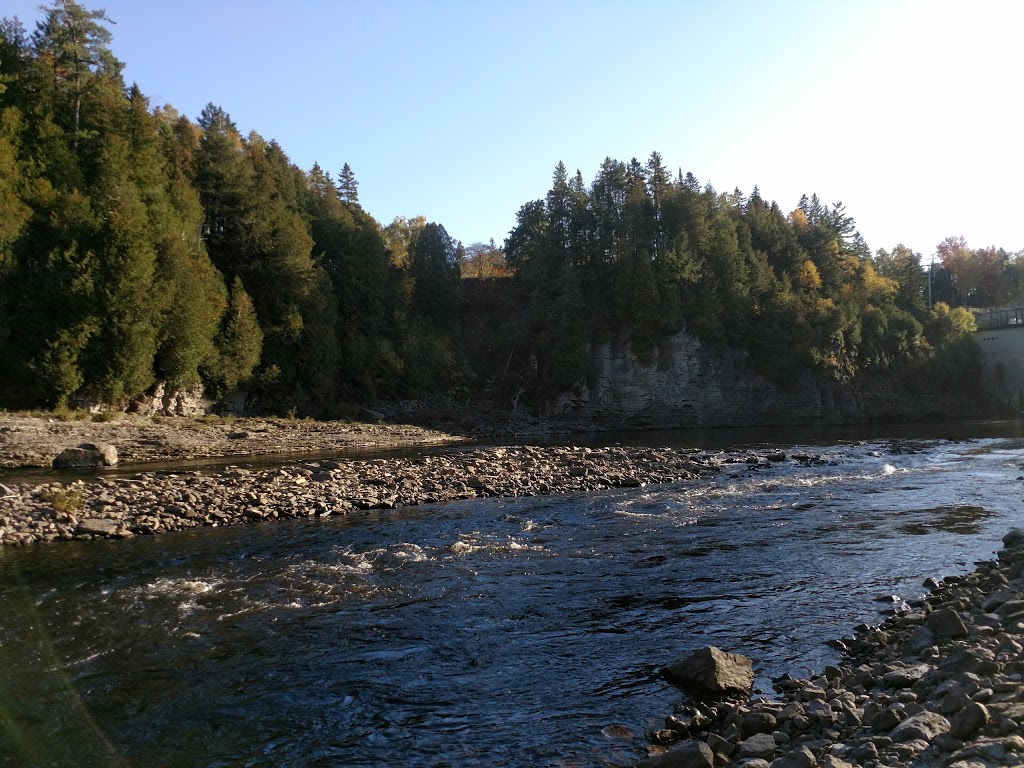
(690, 385)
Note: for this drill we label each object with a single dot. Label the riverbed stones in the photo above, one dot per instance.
(711, 673)
(957, 702)
(235, 496)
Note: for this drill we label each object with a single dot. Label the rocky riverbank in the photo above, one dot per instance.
(160, 501)
(939, 685)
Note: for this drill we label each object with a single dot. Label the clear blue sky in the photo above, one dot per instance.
(908, 112)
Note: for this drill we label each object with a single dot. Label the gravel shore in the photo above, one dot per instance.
(159, 501)
(34, 441)
(940, 685)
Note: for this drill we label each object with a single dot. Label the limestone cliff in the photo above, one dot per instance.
(688, 384)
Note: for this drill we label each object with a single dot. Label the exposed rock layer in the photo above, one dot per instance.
(690, 385)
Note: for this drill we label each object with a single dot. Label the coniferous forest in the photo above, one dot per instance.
(138, 247)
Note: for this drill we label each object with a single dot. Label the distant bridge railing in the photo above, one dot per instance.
(999, 318)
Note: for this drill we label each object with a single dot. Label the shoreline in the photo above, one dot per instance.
(939, 685)
(28, 441)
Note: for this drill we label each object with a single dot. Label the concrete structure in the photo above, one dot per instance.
(1001, 340)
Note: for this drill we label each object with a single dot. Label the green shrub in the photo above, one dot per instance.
(65, 500)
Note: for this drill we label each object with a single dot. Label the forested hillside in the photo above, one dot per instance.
(645, 250)
(139, 247)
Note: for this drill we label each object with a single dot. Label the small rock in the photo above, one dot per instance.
(865, 752)
(1013, 743)
(758, 722)
(904, 677)
(831, 761)
(798, 758)
(760, 745)
(924, 725)
(717, 744)
(946, 622)
(996, 599)
(692, 754)
(99, 526)
(969, 721)
(617, 732)
(681, 725)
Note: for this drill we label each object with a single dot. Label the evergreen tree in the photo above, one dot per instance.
(435, 268)
(238, 344)
(348, 187)
(75, 44)
(903, 266)
(350, 247)
(225, 180)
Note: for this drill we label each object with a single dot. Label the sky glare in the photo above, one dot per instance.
(907, 112)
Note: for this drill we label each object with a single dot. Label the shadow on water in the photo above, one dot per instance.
(963, 519)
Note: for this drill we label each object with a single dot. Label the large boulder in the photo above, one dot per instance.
(712, 673)
(86, 455)
(1014, 538)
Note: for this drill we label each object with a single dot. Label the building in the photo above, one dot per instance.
(1000, 337)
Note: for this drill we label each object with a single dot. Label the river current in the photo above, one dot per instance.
(491, 632)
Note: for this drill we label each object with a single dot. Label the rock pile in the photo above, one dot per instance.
(940, 685)
(155, 502)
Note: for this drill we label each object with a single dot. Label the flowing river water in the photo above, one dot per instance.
(490, 632)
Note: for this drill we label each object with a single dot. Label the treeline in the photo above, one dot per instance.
(137, 246)
(648, 251)
(976, 277)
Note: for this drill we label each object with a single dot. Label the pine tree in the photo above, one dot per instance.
(435, 268)
(348, 187)
(75, 44)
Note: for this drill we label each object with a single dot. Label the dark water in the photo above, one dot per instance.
(479, 633)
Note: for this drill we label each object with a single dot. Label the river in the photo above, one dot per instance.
(489, 632)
